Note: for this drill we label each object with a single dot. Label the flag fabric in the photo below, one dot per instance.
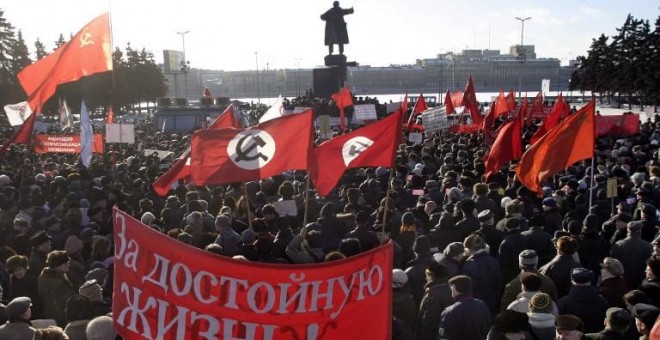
(86, 136)
(181, 167)
(470, 102)
(343, 100)
(507, 146)
(88, 52)
(536, 110)
(560, 109)
(22, 135)
(267, 149)
(570, 141)
(372, 145)
(511, 100)
(404, 104)
(66, 118)
(275, 111)
(110, 116)
(17, 113)
(226, 119)
(501, 106)
(523, 109)
(420, 106)
(449, 104)
(457, 99)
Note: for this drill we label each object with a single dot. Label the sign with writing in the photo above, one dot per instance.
(165, 289)
(64, 143)
(365, 112)
(435, 120)
(415, 137)
(545, 86)
(121, 133)
(612, 189)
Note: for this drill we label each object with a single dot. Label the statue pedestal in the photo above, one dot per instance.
(330, 79)
(335, 60)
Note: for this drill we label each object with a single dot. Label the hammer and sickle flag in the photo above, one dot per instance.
(331, 159)
(87, 53)
(242, 155)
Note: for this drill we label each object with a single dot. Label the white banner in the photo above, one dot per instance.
(416, 138)
(391, 107)
(365, 112)
(120, 133)
(545, 86)
(435, 119)
(17, 113)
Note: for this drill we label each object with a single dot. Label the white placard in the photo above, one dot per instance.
(545, 86)
(365, 112)
(120, 133)
(435, 120)
(300, 109)
(324, 126)
(416, 137)
(161, 153)
(334, 121)
(286, 208)
(391, 107)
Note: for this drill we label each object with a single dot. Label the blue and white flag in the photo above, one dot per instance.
(86, 136)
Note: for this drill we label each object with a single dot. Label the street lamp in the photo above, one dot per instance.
(256, 60)
(184, 66)
(298, 75)
(521, 55)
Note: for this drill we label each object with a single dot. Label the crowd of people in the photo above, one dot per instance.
(474, 258)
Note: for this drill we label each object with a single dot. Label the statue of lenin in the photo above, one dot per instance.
(335, 27)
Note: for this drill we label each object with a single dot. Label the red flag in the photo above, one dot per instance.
(181, 167)
(267, 149)
(22, 135)
(457, 98)
(449, 105)
(507, 146)
(110, 117)
(372, 145)
(560, 109)
(570, 141)
(87, 53)
(420, 106)
(343, 99)
(501, 106)
(511, 100)
(404, 104)
(522, 110)
(470, 102)
(536, 109)
(226, 119)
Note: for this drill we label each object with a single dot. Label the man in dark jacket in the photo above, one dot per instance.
(527, 261)
(468, 318)
(469, 223)
(552, 215)
(512, 245)
(617, 321)
(368, 239)
(539, 240)
(484, 271)
(559, 269)
(492, 236)
(437, 297)
(633, 252)
(584, 301)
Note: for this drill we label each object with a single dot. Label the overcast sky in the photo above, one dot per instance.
(224, 35)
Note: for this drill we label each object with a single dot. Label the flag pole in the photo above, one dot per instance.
(247, 206)
(306, 201)
(387, 200)
(593, 161)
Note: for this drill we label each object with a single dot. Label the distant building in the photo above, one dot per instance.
(490, 70)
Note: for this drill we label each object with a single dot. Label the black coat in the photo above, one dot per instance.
(493, 238)
(467, 225)
(437, 297)
(559, 270)
(541, 242)
(486, 278)
(512, 245)
(467, 319)
(585, 303)
(335, 26)
(633, 253)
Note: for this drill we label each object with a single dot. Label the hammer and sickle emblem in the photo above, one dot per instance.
(86, 39)
(243, 151)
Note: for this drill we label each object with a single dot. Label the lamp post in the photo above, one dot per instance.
(256, 60)
(184, 67)
(521, 55)
(298, 75)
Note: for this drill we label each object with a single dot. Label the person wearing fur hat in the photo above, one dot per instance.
(415, 268)
(18, 327)
(559, 269)
(23, 282)
(512, 245)
(584, 301)
(101, 328)
(612, 285)
(528, 263)
(437, 297)
(484, 270)
(633, 252)
(403, 306)
(73, 246)
(40, 243)
(55, 287)
(93, 291)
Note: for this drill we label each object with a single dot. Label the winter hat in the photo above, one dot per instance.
(408, 218)
(147, 218)
(399, 278)
(185, 238)
(15, 262)
(248, 236)
(549, 202)
(422, 245)
(485, 215)
(569, 322)
(57, 258)
(73, 244)
(18, 306)
(454, 249)
(581, 275)
(39, 238)
(91, 289)
(98, 274)
(613, 266)
(528, 259)
(101, 328)
(646, 313)
(540, 303)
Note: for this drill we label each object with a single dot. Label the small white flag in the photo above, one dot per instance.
(66, 118)
(275, 111)
(17, 113)
(86, 135)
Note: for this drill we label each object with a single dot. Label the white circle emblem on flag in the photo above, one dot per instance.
(354, 147)
(251, 149)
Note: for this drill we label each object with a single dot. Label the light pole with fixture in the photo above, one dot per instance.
(184, 63)
(256, 60)
(521, 55)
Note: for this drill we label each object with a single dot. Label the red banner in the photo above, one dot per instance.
(64, 143)
(165, 289)
(617, 125)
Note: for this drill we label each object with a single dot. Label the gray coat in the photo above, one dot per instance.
(16, 331)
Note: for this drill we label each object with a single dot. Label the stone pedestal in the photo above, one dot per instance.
(330, 79)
